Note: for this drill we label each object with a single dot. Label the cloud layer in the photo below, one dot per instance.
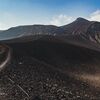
(95, 16)
(61, 20)
(65, 19)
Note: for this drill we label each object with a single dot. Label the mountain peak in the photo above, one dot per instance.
(81, 19)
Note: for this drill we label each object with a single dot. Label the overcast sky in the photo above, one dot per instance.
(55, 12)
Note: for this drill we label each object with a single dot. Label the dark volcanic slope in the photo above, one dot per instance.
(84, 29)
(48, 76)
(93, 32)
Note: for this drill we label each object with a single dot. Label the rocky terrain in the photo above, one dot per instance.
(29, 79)
(50, 70)
(52, 63)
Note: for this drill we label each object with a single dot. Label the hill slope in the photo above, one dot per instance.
(86, 29)
(50, 69)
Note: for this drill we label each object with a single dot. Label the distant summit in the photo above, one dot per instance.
(78, 26)
(81, 19)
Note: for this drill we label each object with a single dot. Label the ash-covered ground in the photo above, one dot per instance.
(28, 79)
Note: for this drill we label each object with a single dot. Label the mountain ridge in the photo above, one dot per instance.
(49, 29)
(80, 29)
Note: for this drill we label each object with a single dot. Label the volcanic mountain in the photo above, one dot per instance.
(50, 62)
(81, 32)
(30, 30)
(81, 26)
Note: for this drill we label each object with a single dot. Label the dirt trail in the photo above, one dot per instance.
(8, 57)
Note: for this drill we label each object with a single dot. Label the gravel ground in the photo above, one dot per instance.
(29, 79)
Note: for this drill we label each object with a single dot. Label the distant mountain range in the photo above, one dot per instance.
(81, 32)
(87, 29)
(28, 30)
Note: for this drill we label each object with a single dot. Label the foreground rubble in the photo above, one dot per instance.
(28, 79)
